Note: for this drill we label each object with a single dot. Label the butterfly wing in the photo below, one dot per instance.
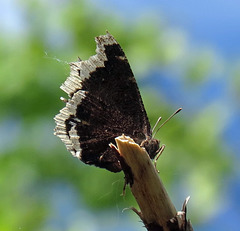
(104, 103)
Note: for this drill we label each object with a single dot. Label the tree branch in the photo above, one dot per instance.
(157, 210)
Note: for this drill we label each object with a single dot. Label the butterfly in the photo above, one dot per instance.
(104, 103)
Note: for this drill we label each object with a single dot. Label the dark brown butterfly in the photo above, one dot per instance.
(104, 103)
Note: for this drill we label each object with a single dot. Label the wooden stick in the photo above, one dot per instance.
(157, 210)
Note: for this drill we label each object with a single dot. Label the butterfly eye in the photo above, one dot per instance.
(151, 146)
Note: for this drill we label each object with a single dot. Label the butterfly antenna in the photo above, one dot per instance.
(170, 117)
(156, 123)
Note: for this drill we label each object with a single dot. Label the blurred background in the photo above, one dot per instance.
(182, 54)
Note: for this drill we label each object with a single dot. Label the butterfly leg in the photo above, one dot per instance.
(139, 213)
(161, 149)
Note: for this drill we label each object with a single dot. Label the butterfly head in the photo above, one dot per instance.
(152, 146)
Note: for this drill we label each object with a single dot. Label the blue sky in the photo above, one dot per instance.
(214, 23)
(208, 23)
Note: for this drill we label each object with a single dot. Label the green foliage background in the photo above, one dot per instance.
(35, 166)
